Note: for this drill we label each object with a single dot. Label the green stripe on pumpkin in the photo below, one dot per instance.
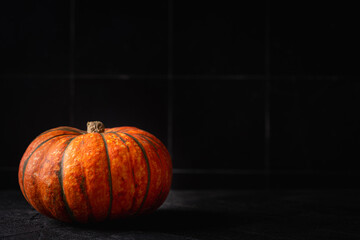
(159, 197)
(149, 140)
(120, 138)
(132, 167)
(60, 176)
(27, 160)
(147, 166)
(61, 129)
(110, 179)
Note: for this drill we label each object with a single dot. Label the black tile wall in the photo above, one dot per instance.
(135, 102)
(34, 37)
(30, 107)
(265, 91)
(219, 38)
(313, 38)
(218, 124)
(315, 125)
(121, 37)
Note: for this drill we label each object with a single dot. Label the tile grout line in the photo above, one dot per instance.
(239, 77)
(267, 96)
(71, 63)
(170, 79)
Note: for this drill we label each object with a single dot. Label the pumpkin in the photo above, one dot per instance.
(77, 176)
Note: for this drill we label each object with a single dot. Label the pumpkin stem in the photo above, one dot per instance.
(95, 126)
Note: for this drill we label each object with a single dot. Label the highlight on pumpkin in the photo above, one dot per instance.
(101, 174)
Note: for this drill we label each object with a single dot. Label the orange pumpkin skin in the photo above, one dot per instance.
(75, 176)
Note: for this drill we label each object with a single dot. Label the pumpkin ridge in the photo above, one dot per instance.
(27, 160)
(60, 129)
(148, 140)
(52, 200)
(60, 176)
(120, 138)
(148, 169)
(162, 148)
(159, 197)
(84, 188)
(145, 133)
(109, 177)
(154, 140)
(132, 167)
(36, 184)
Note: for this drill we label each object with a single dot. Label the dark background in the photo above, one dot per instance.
(245, 95)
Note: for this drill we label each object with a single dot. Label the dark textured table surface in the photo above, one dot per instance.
(273, 214)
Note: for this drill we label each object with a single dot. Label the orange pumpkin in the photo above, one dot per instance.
(77, 176)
